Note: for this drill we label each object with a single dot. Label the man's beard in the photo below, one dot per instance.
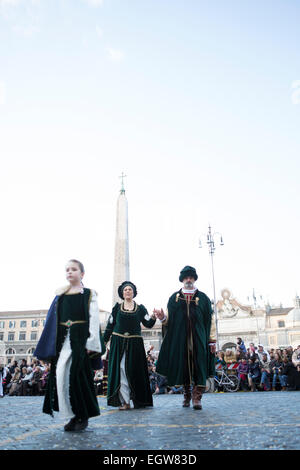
(188, 285)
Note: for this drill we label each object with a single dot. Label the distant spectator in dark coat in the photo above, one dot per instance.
(36, 382)
(241, 348)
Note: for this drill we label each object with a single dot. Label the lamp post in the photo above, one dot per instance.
(210, 240)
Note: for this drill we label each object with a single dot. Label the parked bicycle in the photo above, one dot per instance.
(229, 382)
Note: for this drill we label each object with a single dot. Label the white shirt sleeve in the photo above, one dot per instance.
(93, 341)
(164, 319)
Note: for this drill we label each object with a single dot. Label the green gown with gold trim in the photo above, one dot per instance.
(124, 330)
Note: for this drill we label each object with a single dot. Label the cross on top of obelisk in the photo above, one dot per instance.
(122, 183)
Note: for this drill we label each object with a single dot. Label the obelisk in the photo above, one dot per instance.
(121, 264)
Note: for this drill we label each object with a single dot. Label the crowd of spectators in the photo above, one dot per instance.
(257, 368)
(22, 379)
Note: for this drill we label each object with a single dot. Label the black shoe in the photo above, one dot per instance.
(70, 425)
(81, 424)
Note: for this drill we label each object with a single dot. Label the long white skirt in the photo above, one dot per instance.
(124, 393)
(63, 369)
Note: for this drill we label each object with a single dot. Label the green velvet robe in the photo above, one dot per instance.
(82, 394)
(184, 356)
(124, 329)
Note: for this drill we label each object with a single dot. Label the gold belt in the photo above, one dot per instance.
(70, 323)
(127, 335)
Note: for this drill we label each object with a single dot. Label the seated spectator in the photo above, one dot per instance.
(158, 383)
(35, 383)
(251, 351)
(243, 369)
(230, 356)
(152, 379)
(161, 386)
(290, 372)
(24, 382)
(238, 356)
(272, 354)
(286, 353)
(290, 351)
(265, 373)
(23, 364)
(221, 359)
(261, 351)
(254, 373)
(276, 369)
(12, 368)
(15, 382)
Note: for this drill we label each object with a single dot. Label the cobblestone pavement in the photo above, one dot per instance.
(239, 421)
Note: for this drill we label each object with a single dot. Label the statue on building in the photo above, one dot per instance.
(229, 307)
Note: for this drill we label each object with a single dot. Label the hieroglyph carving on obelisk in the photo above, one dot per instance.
(121, 264)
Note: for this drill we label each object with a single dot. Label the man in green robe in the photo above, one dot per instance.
(187, 354)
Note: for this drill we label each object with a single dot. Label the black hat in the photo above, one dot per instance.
(122, 287)
(188, 271)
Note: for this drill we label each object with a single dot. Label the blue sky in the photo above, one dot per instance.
(197, 102)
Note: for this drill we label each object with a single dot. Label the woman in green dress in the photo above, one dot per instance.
(128, 376)
(71, 333)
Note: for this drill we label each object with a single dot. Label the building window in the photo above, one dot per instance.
(10, 351)
(1, 336)
(34, 323)
(272, 340)
(12, 324)
(22, 336)
(281, 324)
(30, 351)
(2, 324)
(11, 337)
(23, 323)
(33, 336)
(295, 338)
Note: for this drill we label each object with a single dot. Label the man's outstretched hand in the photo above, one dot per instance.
(160, 314)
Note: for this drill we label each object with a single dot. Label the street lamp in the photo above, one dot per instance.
(210, 240)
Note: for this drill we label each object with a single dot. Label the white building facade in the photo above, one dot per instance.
(272, 327)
